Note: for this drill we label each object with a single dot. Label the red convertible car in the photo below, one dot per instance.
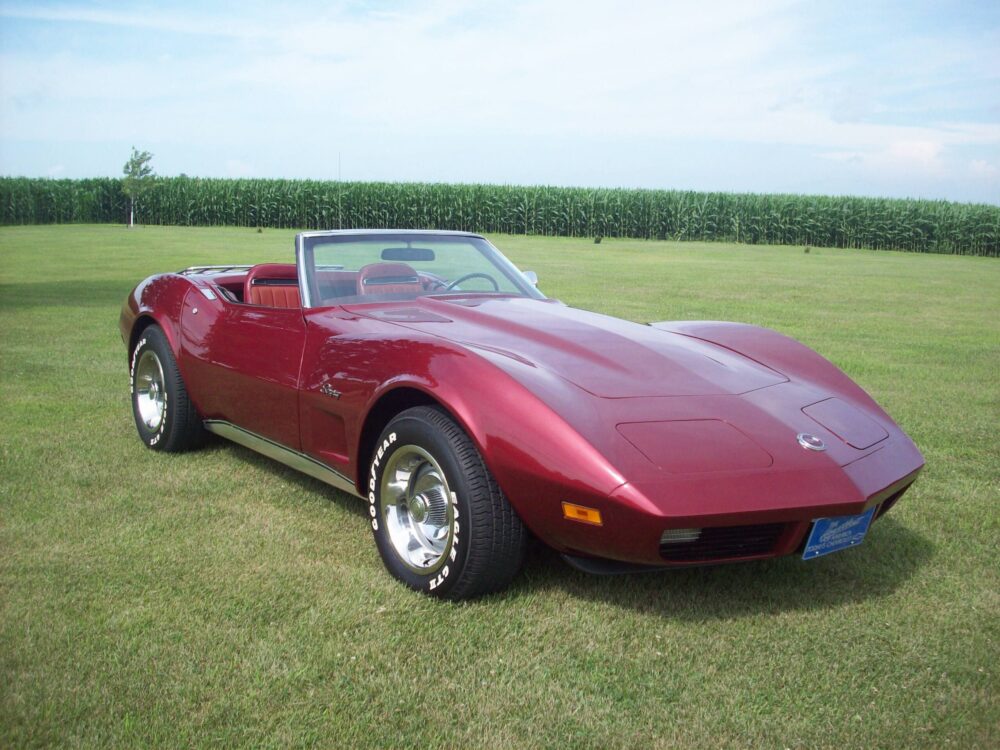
(424, 373)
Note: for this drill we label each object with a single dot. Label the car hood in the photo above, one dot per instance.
(605, 356)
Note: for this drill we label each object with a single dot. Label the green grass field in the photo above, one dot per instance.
(217, 598)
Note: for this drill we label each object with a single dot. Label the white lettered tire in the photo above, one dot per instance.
(165, 418)
(441, 523)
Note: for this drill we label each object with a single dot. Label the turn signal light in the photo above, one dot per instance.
(581, 513)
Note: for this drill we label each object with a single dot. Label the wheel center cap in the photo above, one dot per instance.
(154, 391)
(418, 509)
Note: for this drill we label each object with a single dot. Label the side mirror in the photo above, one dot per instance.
(531, 276)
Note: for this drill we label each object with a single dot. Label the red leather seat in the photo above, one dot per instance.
(272, 285)
(388, 278)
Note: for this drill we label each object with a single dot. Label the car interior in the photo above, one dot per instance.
(277, 284)
(272, 285)
(366, 271)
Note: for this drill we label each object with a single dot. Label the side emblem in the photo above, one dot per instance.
(327, 390)
(810, 442)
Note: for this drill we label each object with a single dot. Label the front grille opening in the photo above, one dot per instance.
(719, 542)
(679, 536)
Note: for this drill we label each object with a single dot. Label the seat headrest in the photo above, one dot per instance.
(388, 278)
(400, 273)
(273, 271)
(268, 271)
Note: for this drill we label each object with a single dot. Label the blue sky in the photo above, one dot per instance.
(866, 98)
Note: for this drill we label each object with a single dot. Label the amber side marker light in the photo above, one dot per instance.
(581, 513)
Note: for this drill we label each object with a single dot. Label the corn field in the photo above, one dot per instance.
(873, 223)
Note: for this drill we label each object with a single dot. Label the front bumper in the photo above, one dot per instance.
(748, 517)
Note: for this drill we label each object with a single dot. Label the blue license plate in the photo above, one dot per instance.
(837, 533)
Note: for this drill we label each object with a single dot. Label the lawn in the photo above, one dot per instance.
(217, 598)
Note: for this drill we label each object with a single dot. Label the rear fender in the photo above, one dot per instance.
(158, 299)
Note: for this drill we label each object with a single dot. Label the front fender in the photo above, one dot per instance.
(519, 435)
(536, 456)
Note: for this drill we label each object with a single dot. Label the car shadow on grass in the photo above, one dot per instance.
(890, 555)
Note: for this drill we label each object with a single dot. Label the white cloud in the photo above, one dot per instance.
(915, 153)
(982, 168)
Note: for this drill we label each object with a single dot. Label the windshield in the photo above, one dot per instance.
(371, 267)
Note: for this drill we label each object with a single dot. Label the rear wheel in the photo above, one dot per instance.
(164, 415)
(440, 521)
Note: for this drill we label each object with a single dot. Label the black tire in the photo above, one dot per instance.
(176, 426)
(486, 540)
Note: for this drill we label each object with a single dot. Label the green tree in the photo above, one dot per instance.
(137, 180)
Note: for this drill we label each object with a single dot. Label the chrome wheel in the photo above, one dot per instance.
(415, 505)
(150, 392)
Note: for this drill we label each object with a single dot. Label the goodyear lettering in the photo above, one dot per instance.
(439, 579)
(135, 358)
(372, 509)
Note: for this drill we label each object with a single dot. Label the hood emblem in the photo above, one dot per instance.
(810, 442)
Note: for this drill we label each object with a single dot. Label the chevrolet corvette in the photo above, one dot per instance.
(424, 373)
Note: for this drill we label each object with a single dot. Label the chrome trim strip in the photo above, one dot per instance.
(216, 269)
(305, 295)
(278, 452)
(335, 232)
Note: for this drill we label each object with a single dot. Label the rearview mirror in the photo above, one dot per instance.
(407, 254)
(531, 276)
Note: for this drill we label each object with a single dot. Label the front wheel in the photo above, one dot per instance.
(164, 415)
(440, 521)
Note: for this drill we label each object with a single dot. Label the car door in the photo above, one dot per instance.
(242, 363)
(336, 383)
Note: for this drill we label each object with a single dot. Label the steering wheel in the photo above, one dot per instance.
(474, 275)
(431, 281)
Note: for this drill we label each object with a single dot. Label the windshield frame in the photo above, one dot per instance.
(306, 242)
